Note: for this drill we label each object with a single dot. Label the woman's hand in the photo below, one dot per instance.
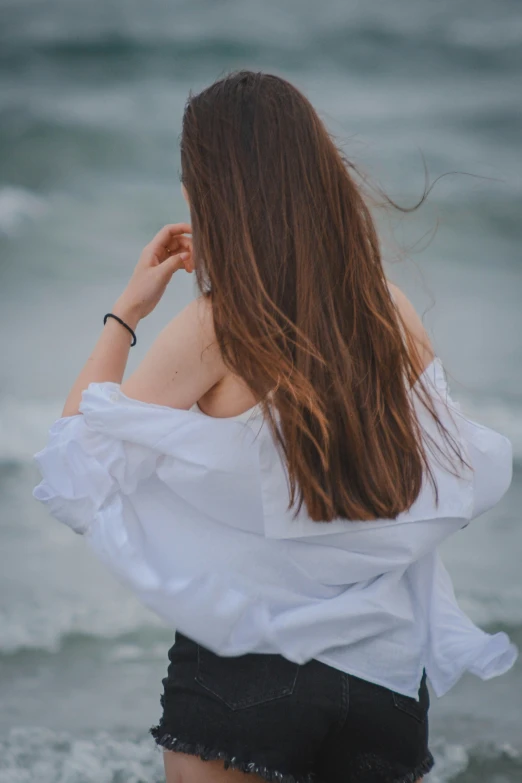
(170, 250)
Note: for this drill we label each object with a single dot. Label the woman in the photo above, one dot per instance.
(276, 476)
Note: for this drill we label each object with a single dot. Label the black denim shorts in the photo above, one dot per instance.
(288, 722)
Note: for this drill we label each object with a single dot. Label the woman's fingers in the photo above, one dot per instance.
(179, 244)
(170, 232)
(178, 261)
(170, 240)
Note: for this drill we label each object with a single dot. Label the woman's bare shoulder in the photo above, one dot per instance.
(414, 326)
(183, 363)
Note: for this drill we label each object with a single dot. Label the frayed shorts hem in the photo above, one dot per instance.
(417, 773)
(168, 742)
(369, 766)
(205, 753)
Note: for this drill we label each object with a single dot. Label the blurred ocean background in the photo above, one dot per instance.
(91, 98)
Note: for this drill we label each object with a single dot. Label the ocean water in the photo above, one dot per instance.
(91, 97)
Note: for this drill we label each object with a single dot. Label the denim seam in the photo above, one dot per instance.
(410, 708)
(344, 705)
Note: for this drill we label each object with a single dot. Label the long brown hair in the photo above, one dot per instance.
(286, 248)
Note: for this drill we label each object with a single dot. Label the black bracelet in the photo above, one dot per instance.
(111, 315)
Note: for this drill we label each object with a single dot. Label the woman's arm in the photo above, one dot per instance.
(184, 361)
(108, 360)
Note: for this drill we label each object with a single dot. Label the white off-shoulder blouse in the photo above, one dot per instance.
(192, 513)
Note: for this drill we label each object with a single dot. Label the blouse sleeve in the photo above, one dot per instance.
(146, 485)
(491, 456)
(115, 442)
(82, 469)
(488, 453)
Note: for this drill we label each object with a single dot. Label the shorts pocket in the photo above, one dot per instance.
(418, 709)
(246, 680)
